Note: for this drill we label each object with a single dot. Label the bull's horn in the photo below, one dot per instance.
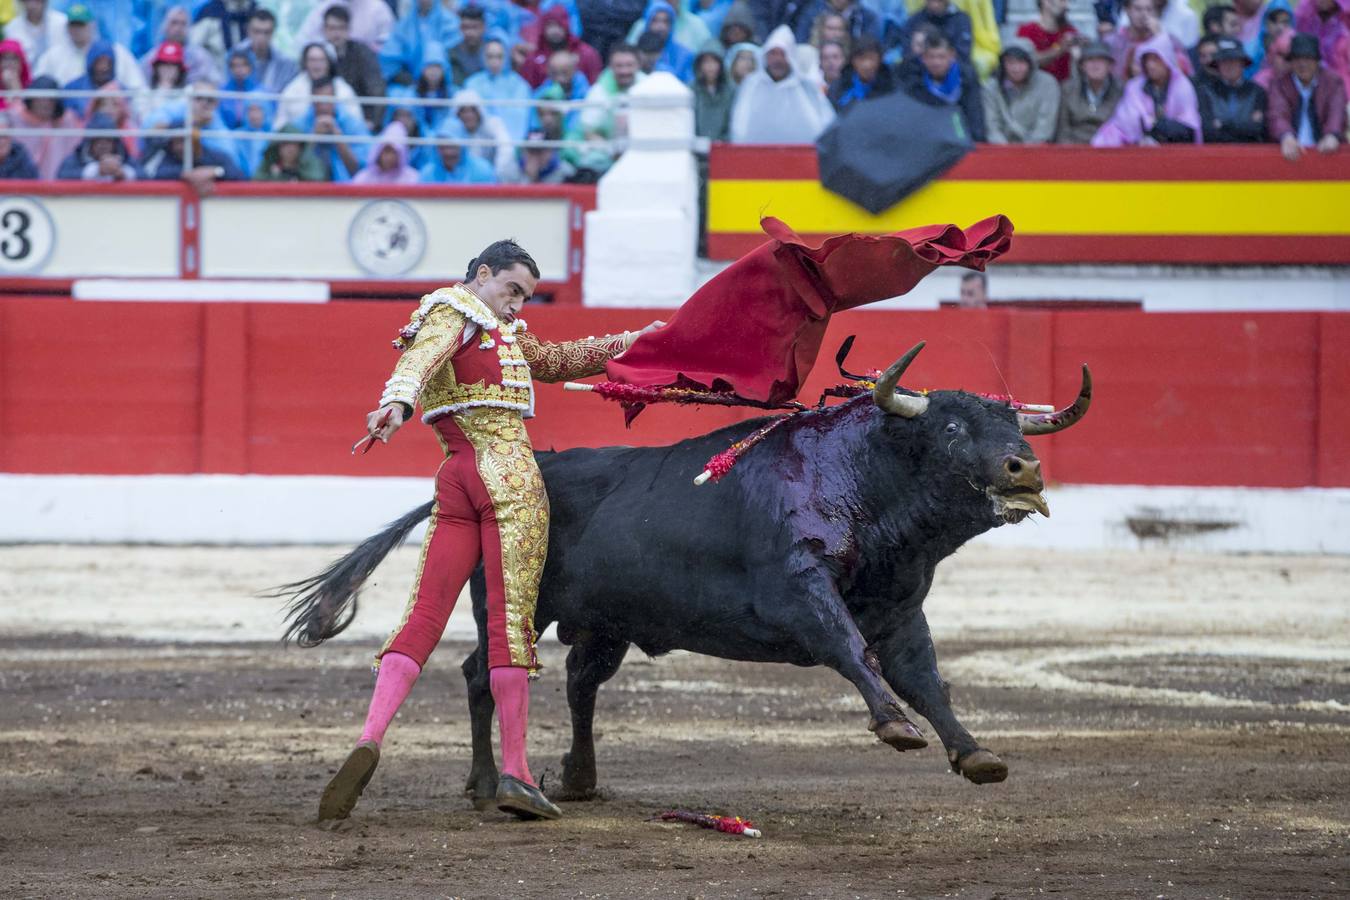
(1049, 423)
(884, 393)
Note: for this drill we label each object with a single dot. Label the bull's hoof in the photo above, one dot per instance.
(577, 785)
(982, 767)
(899, 733)
(574, 794)
(482, 790)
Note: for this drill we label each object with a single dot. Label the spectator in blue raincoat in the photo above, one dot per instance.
(205, 115)
(675, 58)
(100, 67)
(254, 132)
(451, 163)
(472, 122)
(433, 83)
(241, 80)
(426, 24)
(688, 29)
(497, 81)
(123, 22)
(326, 116)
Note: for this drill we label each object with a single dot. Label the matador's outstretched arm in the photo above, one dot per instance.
(568, 360)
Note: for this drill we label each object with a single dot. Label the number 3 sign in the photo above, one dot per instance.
(26, 235)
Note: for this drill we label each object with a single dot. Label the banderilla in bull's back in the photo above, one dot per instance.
(817, 549)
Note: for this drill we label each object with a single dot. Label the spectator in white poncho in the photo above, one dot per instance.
(777, 104)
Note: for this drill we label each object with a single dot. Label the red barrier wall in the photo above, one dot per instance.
(135, 388)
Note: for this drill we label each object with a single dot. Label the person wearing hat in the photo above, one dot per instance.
(1306, 107)
(1021, 101)
(69, 60)
(1232, 108)
(168, 68)
(1089, 97)
(176, 28)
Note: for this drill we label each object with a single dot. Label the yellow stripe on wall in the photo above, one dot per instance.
(1049, 207)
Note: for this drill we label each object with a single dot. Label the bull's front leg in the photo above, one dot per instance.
(909, 662)
(832, 639)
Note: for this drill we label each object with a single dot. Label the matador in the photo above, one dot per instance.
(468, 361)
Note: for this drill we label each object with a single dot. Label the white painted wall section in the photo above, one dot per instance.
(256, 509)
(642, 238)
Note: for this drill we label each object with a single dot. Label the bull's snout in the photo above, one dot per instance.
(1022, 473)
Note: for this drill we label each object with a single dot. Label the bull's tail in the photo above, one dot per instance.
(323, 605)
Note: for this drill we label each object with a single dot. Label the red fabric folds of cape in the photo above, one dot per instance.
(756, 329)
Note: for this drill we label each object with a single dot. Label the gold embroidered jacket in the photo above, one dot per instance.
(440, 371)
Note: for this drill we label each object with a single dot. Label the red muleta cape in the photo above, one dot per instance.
(755, 330)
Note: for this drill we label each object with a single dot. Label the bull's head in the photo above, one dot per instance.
(983, 438)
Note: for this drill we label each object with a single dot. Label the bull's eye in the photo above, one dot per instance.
(953, 428)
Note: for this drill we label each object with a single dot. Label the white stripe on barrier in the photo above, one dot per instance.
(200, 290)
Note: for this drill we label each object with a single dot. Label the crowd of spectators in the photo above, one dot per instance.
(476, 90)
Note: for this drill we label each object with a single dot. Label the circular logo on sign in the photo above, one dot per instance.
(27, 235)
(387, 238)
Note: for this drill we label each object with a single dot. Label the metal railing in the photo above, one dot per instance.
(187, 130)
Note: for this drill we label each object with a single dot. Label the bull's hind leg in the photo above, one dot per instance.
(591, 662)
(910, 664)
(481, 785)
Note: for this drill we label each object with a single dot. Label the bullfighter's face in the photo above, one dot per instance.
(506, 291)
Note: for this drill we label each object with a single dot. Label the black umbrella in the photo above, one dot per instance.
(881, 151)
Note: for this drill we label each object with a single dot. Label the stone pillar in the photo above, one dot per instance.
(642, 238)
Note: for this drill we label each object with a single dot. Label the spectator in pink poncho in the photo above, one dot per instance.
(1329, 22)
(48, 151)
(1159, 106)
(389, 159)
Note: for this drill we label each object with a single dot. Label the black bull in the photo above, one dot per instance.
(817, 549)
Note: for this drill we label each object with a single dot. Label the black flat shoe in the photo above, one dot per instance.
(339, 798)
(524, 800)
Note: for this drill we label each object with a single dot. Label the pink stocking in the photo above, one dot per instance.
(511, 693)
(396, 678)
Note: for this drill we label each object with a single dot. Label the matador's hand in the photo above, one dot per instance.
(383, 422)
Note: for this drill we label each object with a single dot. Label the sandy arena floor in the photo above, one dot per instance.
(1176, 727)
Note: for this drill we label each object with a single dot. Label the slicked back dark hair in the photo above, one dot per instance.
(502, 255)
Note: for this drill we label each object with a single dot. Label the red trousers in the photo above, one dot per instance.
(465, 527)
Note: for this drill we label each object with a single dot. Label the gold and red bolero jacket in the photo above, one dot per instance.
(490, 364)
